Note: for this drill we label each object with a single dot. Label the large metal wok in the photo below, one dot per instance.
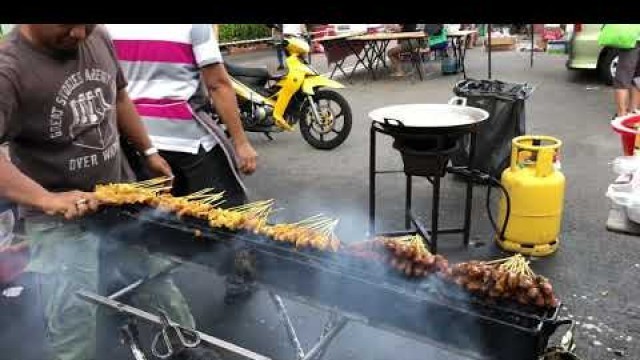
(429, 119)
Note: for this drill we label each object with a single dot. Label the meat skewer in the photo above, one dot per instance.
(315, 232)
(509, 278)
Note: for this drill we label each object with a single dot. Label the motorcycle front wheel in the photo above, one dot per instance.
(334, 124)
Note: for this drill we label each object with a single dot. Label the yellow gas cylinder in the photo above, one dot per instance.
(536, 192)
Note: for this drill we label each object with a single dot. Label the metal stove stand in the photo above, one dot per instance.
(430, 235)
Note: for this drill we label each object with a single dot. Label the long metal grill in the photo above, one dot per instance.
(430, 309)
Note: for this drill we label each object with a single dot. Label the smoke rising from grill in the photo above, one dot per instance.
(368, 291)
(368, 275)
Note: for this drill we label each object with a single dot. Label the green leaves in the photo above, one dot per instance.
(238, 32)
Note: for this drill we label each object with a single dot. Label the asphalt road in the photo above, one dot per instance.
(596, 273)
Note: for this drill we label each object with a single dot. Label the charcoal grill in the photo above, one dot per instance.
(430, 310)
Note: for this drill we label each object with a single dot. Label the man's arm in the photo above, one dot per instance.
(131, 126)
(224, 100)
(129, 122)
(15, 185)
(19, 188)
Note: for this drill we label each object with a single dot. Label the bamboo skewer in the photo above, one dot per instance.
(316, 231)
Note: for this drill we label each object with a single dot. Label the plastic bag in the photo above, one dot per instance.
(619, 36)
(624, 193)
(625, 164)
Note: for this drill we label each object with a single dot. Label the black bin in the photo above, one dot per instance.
(505, 103)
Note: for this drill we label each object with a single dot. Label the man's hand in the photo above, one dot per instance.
(246, 157)
(159, 166)
(70, 204)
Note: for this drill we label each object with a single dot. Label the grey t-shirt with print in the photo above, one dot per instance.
(58, 114)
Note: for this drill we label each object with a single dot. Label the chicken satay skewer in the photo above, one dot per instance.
(198, 194)
(251, 205)
(152, 182)
(308, 220)
(319, 225)
(212, 198)
(159, 189)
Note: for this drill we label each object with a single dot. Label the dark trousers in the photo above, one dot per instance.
(212, 170)
(280, 53)
(628, 67)
(205, 170)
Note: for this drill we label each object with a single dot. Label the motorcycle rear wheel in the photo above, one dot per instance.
(334, 111)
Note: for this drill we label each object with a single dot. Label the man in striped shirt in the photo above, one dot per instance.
(165, 65)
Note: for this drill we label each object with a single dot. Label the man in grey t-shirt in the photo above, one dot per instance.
(63, 105)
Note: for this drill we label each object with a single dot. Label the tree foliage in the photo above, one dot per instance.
(238, 32)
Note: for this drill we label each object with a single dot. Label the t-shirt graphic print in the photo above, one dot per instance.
(61, 120)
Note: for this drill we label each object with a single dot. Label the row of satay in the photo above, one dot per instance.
(315, 232)
(509, 278)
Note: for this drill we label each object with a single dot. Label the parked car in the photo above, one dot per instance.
(585, 53)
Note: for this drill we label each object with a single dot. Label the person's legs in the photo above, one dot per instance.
(621, 97)
(627, 65)
(65, 256)
(404, 46)
(635, 99)
(132, 264)
(122, 264)
(280, 55)
(635, 85)
(394, 58)
(212, 170)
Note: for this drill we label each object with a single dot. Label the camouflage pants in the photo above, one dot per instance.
(66, 255)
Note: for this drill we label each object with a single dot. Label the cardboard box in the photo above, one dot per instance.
(502, 43)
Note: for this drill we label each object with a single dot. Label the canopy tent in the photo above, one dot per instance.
(489, 48)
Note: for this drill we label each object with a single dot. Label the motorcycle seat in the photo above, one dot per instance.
(241, 71)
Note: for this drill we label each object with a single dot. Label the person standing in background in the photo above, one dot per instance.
(472, 38)
(280, 32)
(63, 108)
(437, 36)
(175, 71)
(297, 31)
(626, 82)
(403, 46)
(277, 37)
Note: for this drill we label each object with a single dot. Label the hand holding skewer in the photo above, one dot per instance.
(70, 204)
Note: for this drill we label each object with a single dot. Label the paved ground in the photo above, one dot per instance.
(572, 106)
(596, 273)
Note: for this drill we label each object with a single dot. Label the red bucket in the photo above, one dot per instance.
(626, 127)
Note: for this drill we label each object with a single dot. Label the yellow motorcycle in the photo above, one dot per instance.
(276, 102)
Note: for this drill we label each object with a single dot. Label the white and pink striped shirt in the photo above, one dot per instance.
(162, 65)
